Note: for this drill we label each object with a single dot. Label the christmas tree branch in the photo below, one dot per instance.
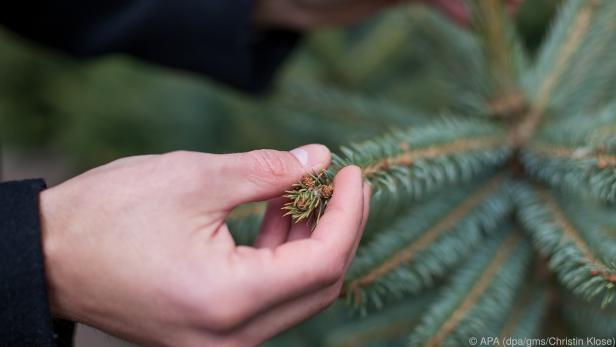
(408, 165)
(408, 256)
(578, 263)
(499, 45)
(574, 169)
(553, 62)
(391, 325)
(330, 105)
(526, 316)
(409, 156)
(589, 318)
(367, 59)
(550, 151)
(578, 154)
(575, 70)
(480, 292)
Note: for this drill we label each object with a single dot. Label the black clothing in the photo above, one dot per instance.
(25, 319)
(214, 37)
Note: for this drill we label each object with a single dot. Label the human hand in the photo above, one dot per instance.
(308, 14)
(139, 247)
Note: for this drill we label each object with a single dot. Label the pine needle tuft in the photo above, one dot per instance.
(309, 197)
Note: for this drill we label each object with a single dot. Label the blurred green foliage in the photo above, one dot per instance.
(98, 110)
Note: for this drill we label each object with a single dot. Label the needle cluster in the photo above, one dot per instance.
(309, 197)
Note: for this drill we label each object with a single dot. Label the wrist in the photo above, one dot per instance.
(53, 254)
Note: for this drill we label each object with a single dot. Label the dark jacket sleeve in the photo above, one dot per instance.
(213, 37)
(25, 318)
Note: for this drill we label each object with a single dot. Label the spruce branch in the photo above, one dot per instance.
(367, 59)
(577, 60)
(478, 296)
(390, 325)
(406, 166)
(573, 169)
(500, 46)
(458, 80)
(588, 318)
(351, 109)
(408, 256)
(529, 309)
(583, 261)
(577, 154)
(564, 40)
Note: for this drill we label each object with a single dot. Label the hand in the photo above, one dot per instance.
(307, 14)
(139, 247)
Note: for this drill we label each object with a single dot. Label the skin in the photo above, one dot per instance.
(139, 247)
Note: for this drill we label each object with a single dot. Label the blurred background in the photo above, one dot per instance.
(60, 116)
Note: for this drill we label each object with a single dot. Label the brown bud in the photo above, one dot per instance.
(308, 181)
(327, 191)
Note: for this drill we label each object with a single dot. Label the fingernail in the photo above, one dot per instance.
(311, 156)
(301, 155)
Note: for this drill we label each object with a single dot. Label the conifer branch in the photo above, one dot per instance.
(350, 109)
(498, 43)
(508, 103)
(581, 170)
(479, 294)
(577, 154)
(569, 45)
(392, 324)
(572, 234)
(557, 237)
(527, 313)
(409, 156)
(407, 165)
(480, 286)
(407, 257)
(586, 82)
(588, 318)
(547, 150)
(372, 54)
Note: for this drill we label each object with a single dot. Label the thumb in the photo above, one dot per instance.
(265, 173)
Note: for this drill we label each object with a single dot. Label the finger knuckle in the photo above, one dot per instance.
(179, 155)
